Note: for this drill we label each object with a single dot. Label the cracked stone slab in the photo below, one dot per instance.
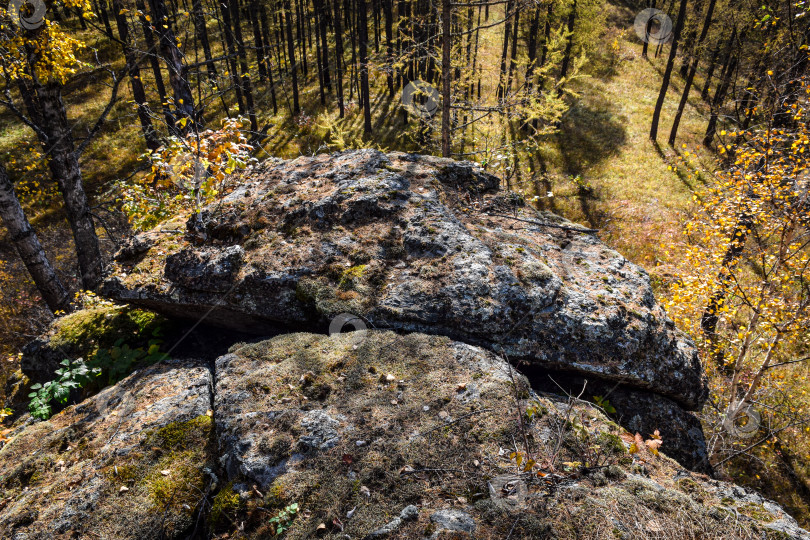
(390, 238)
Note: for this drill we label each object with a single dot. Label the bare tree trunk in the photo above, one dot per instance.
(389, 46)
(291, 52)
(569, 45)
(230, 48)
(365, 95)
(101, 9)
(152, 52)
(244, 79)
(138, 93)
(202, 34)
(178, 76)
(689, 44)
(301, 34)
(267, 55)
(720, 93)
(647, 33)
(691, 74)
(544, 50)
(704, 94)
(323, 22)
(513, 53)
(505, 51)
(673, 51)
(533, 31)
(56, 139)
(258, 39)
(29, 249)
(447, 44)
(339, 57)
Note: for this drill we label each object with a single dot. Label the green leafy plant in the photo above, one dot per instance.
(284, 519)
(604, 404)
(72, 376)
(118, 361)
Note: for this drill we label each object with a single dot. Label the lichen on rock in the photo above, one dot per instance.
(420, 244)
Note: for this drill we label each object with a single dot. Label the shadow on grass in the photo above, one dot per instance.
(589, 134)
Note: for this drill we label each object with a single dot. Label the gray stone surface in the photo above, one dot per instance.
(415, 243)
(68, 464)
(453, 520)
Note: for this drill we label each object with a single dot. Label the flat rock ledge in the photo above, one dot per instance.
(365, 435)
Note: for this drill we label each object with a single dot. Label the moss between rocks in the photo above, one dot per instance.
(351, 276)
(327, 299)
(225, 502)
(756, 511)
(84, 332)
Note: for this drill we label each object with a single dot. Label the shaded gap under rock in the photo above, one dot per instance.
(637, 411)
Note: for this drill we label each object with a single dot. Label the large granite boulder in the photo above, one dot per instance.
(369, 434)
(413, 244)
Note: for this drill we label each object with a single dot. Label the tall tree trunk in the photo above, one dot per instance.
(365, 95)
(569, 45)
(504, 51)
(673, 51)
(100, 8)
(647, 30)
(532, 52)
(389, 45)
(178, 76)
(154, 61)
(245, 82)
(258, 39)
(56, 139)
(322, 13)
(690, 76)
(544, 50)
(447, 45)
(230, 48)
(720, 93)
(319, 58)
(301, 30)
(29, 249)
(138, 93)
(375, 10)
(339, 58)
(202, 34)
(267, 53)
(704, 94)
(689, 44)
(291, 53)
(513, 53)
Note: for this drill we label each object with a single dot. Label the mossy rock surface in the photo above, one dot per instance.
(129, 462)
(412, 243)
(83, 333)
(363, 433)
(410, 434)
